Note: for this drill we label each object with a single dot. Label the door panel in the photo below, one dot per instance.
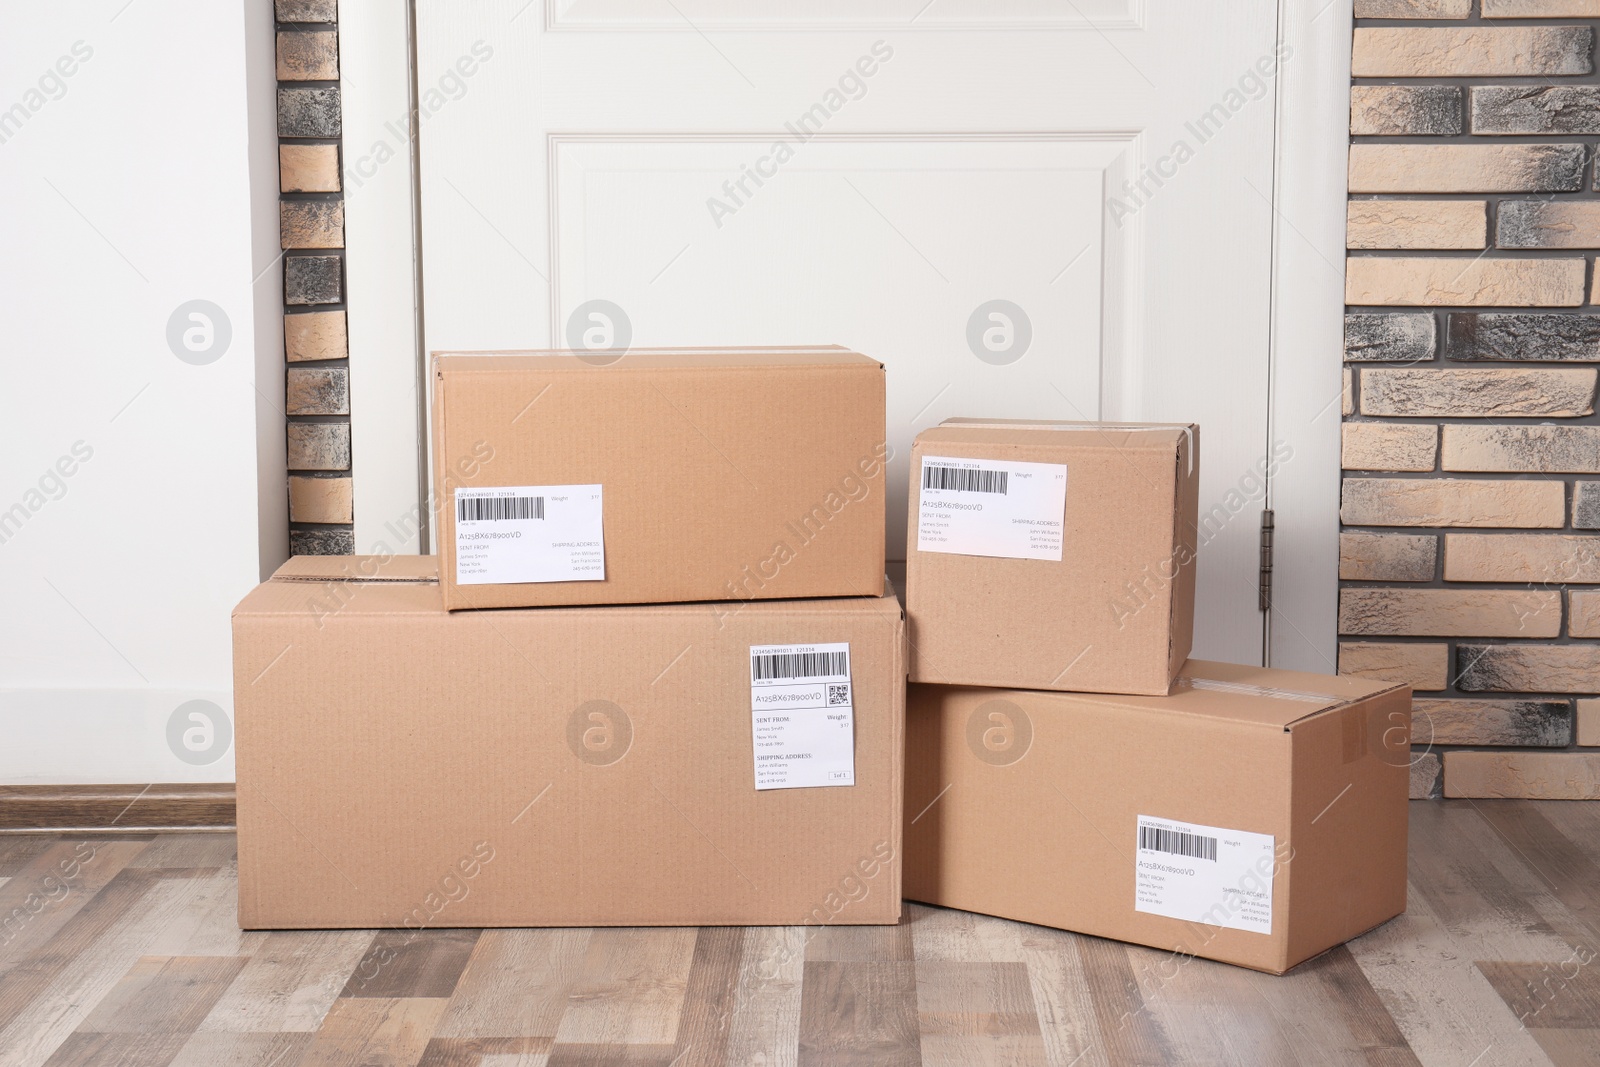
(1036, 216)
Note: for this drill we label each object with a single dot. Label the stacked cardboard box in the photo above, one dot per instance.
(689, 711)
(1244, 814)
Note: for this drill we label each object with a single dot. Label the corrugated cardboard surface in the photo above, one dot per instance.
(1115, 614)
(402, 766)
(1043, 829)
(727, 474)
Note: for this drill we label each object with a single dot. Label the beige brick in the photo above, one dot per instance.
(1586, 724)
(1380, 446)
(1478, 392)
(308, 168)
(1453, 502)
(319, 499)
(1416, 224)
(1538, 9)
(319, 446)
(1523, 449)
(1422, 666)
(1348, 400)
(1528, 775)
(1465, 52)
(318, 391)
(1542, 668)
(1413, 9)
(1449, 613)
(1466, 168)
(315, 335)
(1427, 776)
(1369, 557)
(1435, 281)
(308, 55)
(1539, 559)
(1583, 613)
(1517, 723)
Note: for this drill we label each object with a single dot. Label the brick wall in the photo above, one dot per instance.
(311, 225)
(1471, 501)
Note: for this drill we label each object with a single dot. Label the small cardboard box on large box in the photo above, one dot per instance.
(658, 476)
(689, 764)
(1052, 555)
(1254, 816)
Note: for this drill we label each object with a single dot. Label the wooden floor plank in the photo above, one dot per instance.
(515, 984)
(859, 1012)
(1062, 1001)
(375, 1032)
(190, 850)
(487, 1052)
(163, 995)
(709, 998)
(242, 1050)
(117, 1050)
(290, 982)
(971, 1012)
(765, 1028)
(1129, 1031)
(631, 988)
(1572, 876)
(411, 964)
(54, 886)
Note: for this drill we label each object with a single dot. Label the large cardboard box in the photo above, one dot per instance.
(1254, 816)
(401, 766)
(1052, 555)
(658, 476)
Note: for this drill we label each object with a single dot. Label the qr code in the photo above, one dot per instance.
(838, 694)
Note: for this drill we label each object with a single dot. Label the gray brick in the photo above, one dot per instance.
(1586, 506)
(326, 541)
(319, 446)
(1540, 668)
(1427, 776)
(307, 10)
(1389, 338)
(1542, 337)
(1525, 723)
(1405, 109)
(317, 391)
(1515, 109)
(304, 112)
(1548, 224)
(312, 280)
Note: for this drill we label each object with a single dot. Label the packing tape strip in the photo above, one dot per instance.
(1131, 427)
(1246, 689)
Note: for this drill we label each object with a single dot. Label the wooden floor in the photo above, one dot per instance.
(124, 950)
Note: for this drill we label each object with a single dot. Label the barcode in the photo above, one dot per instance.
(1178, 843)
(964, 479)
(498, 508)
(766, 666)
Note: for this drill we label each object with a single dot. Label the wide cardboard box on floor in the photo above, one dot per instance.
(1052, 555)
(402, 766)
(1254, 816)
(658, 476)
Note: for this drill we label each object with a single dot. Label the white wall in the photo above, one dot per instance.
(138, 172)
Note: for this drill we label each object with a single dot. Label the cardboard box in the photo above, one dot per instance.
(658, 476)
(1254, 816)
(1052, 555)
(401, 766)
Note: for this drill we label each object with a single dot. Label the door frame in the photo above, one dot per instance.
(388, 366)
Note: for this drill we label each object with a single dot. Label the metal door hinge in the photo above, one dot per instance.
(1265, 586)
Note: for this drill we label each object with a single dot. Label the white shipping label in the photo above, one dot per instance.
(529, 533)
(802, 715)
(986, 507)
(1204, 874)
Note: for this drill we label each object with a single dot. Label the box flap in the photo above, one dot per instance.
(358, 569)
(654, 359)
(1159, 436)
(1254, 696)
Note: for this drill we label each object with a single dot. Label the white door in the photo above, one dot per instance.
(1025, 208)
